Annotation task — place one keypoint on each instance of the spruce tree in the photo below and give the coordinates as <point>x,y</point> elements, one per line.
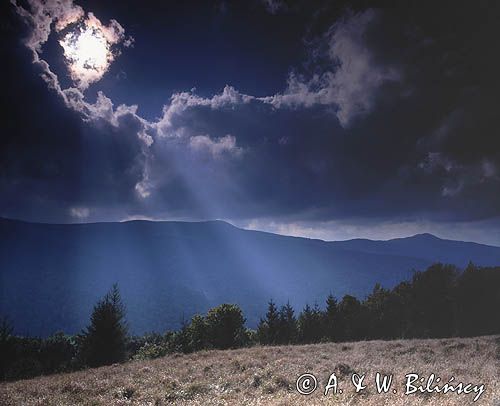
<point>288,325</point>
<point>104,340</point>
<point>268,329</point>
<point>331,319</point>
<point>305,324</point>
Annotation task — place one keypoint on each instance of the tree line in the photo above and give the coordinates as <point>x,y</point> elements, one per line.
<point>439,302</point>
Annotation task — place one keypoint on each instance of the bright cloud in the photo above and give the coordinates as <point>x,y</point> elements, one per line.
<point>216,148</point>
<point>180,102</point>
<point>88,49</point>
<point>88,45</point>
<point>354,77</point>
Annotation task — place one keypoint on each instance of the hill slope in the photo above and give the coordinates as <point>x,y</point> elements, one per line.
<point>51,275</point>
<point>267,376</point>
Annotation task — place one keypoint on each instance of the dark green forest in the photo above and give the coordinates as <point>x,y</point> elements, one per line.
<point>442,301</point>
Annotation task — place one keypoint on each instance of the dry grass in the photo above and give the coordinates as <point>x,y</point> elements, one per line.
<point>266,375</point>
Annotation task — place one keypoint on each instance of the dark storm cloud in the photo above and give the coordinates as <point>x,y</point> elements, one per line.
<point>406,158</point>
<point>274,6</point>
<point>52,161</point>
<point>391,115</point>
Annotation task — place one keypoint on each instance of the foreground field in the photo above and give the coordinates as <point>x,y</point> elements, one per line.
<point>267,375</point>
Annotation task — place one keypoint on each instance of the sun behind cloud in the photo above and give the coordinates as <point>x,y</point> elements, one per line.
<point>88,49</point>
<point>87,53</point>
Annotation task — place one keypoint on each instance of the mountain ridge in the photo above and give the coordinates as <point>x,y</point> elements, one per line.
<point>52,275</point>
<point>426,235</point>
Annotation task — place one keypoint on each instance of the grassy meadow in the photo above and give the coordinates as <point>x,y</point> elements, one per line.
<point>267,376</point>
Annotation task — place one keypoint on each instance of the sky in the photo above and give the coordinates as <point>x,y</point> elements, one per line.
<point>331,120</point>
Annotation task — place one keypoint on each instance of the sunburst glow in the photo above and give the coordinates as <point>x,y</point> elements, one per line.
<point>88,54</point>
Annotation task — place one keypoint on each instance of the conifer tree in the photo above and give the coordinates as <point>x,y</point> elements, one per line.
<point>309,324</point>
<point>104,340</point>
<point>330,319</point>
<point>288,325</point>
<point>268,330</point>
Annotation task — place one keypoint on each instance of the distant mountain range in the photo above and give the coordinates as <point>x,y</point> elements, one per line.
<point>52,275</point>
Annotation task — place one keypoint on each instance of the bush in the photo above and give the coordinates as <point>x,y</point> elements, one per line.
<point>225,324</point>
<point>151,351</point>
